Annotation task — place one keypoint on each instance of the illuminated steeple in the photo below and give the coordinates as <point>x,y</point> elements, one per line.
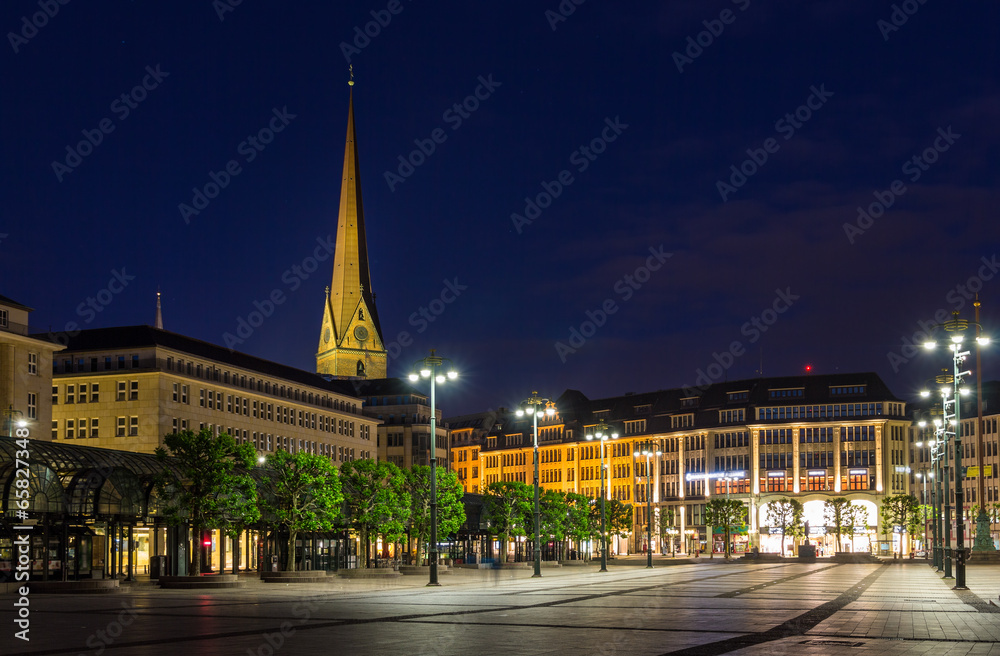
<point>350,343</point>
<point>159,312</point>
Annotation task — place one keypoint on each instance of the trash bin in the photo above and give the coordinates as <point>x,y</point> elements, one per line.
<point>157,567</point>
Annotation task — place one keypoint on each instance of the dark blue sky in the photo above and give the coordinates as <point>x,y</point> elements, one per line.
<point>664,123</point>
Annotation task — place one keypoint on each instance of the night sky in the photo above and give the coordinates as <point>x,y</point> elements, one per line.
<point>637,131</point>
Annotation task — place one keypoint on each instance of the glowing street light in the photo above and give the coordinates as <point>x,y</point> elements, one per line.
<point>428,368</point>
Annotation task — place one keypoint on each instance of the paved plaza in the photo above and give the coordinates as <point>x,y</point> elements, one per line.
<point>707,607</point>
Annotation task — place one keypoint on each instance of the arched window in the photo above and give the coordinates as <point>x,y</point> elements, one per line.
<point>361,314</point>
<point>361,368</point>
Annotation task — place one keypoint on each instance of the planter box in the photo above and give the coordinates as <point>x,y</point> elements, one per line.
<point>306,576</point>
<point>201,582</point>
<point>372,573</point>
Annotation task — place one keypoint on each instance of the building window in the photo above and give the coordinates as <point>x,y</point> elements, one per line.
<point>33,364</point>
<point>682,421</point>
<point>121,390</point>
<point>201,397</point>
<point>176,392</point>
<point>121,361</point>
<point>70,393</point>
<point>134,391</point>
<point>361,368</point>
<point>55,429</point>
<point>55,395</point>
<point>83,394</point>
<point>133,426</point>
<point>94,430</point>
<point>184,393</point>
<point>120,432</point>
<point>70,429</point>
<point>4,319</point>
<point>95,392</point>
<point>797,392</point>
<point>636,426</point>
<point>32,405</point>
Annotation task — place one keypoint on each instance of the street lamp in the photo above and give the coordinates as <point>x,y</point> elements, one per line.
<point>10,413</point>
<point>534,406</point>
<point>923,475</point>
<point>428,368</point>
<point>939,456</point>
<point>601,432</point>
<point>648,448</point>
<point>952,409</point>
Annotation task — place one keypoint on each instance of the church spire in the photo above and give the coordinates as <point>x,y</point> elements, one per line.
<point>159,312</point>
<point>351,337</point>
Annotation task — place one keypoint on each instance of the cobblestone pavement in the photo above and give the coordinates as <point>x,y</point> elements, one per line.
<point>702,608</point>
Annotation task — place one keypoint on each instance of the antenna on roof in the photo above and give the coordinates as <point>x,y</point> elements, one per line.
<point>159,312</point>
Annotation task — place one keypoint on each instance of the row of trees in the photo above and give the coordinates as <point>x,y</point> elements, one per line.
<point>207,483</point>
<point>509,510</point>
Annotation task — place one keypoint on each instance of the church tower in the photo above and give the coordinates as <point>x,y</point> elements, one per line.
<point>350,341</point>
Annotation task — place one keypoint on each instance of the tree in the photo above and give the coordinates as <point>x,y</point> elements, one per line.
<point>580,524</point>
<point>663,521</point>
<point>838,514</point>
<point>207,483</point>
<point>302,492</point>
<point>899,510</point>
<point>377,501</point>
<point>507,504</point>
<point>552,511</point>
<point>925,515</point>
<point>450,500</point>
<point>620,517</point>
<point>785,514</point>
<point>726,513</point>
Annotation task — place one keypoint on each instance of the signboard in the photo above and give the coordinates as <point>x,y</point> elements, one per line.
<point>775,474</point>
<point>817,472</point>
<point>734,475</point>
<point>733,530</point>
<point>973,472</point>
<point>817,530</point>
<point>857,472</point>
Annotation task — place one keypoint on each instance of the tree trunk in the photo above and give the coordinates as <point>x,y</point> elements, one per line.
<point>290,567</point>
<point>196,552</point>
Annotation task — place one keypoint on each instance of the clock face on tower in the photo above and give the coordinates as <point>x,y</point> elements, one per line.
<point>326,335</point>
<point>360,333</point>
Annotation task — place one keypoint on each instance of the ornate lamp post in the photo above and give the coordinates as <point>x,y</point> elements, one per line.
<point>602,433</point>
<point>934,473</point>
<point>428,368</point>
<point>648,448</point>
<point>952,427</point>
<point>923,475</point>
<point>534,406</point>
<point>10,413</point>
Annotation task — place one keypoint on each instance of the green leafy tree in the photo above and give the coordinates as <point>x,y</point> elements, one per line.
<point>899,510</point>
<point>376,500</point>
<point>552,510</point>
<point>507,504</point>
<point>620,517</point>
<point>302,492</point>
<point>785,514</point>
<point>663,521</point>
<point>838,513</point>
<point>725,513</point>
<point>580,524</point>
<point>207,483</point>
<point>925,515</point>
<point>450,499</point>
